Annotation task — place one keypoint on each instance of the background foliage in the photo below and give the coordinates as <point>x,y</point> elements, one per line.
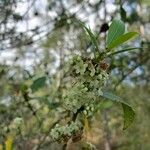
<point>37,38</point>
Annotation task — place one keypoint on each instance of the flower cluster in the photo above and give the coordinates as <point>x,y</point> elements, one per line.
<point>17,122</point>
<point>76,97</point>
<point>89,110</point>
<point>14,126</point>
<point>82,87</point>
<point>63,133</point>
<point>88,79</point>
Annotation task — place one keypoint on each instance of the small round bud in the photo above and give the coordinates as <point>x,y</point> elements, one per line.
<point>85,112</point>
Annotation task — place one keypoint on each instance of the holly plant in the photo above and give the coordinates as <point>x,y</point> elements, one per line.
<point>85,84</point>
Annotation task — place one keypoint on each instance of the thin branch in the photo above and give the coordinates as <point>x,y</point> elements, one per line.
<point>130,71</point>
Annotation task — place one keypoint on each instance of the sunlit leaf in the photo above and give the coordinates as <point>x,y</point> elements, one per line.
<point>38,83</point>
<point>122,39</point>
<point>116,29</point>
<point>129,113</point>
<point>9,143</point>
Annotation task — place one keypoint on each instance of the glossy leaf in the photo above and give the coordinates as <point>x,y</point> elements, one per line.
<point>38,83</point>
<point>129,113</point>
<point>117,28</point>
<point>122,39</point>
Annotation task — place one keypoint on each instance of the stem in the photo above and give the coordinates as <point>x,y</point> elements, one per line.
<point>124,50</point>
<point>64,146</point>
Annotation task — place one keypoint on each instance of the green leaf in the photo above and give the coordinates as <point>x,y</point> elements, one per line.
<point>91,35</point>
<point>121,39</point>
<point>117,28</point>
<point>129,113</point>
<point>38,83</point>
<point>104,105</point>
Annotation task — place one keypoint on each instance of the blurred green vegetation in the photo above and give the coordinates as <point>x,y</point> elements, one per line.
<point>33,65</point>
